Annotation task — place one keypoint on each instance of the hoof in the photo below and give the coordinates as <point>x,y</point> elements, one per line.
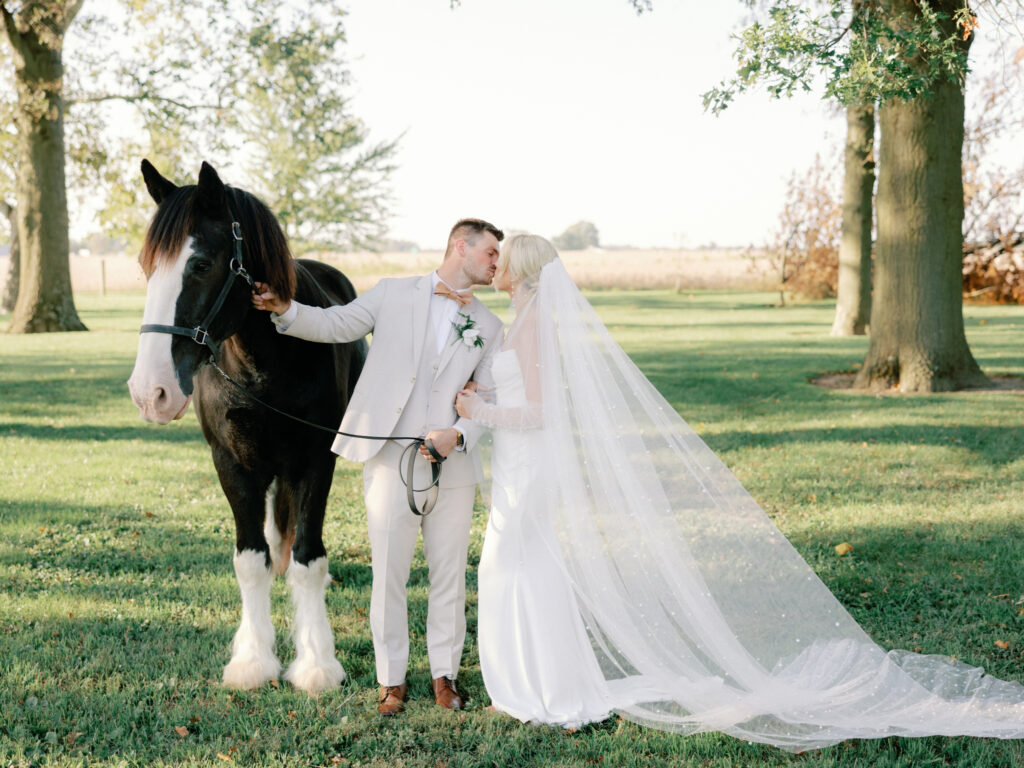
<point>250,673</point>
<point>312,677</point>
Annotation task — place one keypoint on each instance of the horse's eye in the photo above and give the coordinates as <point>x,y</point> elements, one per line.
<point>201,266</point>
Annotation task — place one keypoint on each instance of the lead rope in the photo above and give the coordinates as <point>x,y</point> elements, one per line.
<point>408,457</point>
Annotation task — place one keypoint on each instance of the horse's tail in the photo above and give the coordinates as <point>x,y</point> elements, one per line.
<point>276,530</point>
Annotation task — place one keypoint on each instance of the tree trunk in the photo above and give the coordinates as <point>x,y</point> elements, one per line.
<point>853,302</point>
<point>917,327</point>
<point>10,291</point>
<point>44,292</point>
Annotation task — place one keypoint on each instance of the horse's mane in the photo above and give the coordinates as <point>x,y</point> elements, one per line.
<point>265,248</point>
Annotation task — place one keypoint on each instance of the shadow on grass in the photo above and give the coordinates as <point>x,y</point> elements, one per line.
<point>188,431</point>
<point>53,395</point>
<point>701,301</point>
<point>88,551</point>
<point>995,444</point>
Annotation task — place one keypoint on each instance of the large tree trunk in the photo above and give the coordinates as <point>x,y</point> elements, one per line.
<point>10,290</point>
<point>853,302</point>
<point>917,327</point>
<point>44,291</point>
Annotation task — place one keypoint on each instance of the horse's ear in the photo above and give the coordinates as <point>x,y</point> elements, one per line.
<point>159,187</point>
<point>213,197</point>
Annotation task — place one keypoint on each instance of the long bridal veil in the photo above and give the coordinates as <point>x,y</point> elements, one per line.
<point>701,614</point>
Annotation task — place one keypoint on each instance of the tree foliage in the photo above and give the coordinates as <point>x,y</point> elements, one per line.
<point>581,235</point>
<point>994,272</point>
<point>310,158</point>
<point>255,85</point>
<point>261,90</point>
<point>993,190</point>
<point>856,52</point>
<point>804,251</point>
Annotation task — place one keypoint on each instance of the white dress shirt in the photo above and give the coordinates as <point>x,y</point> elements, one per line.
<point>442,313</point>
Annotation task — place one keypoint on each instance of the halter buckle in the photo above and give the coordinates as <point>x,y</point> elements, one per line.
<point>199,335</point>
<point>237,268</point>
<point>236,231</point>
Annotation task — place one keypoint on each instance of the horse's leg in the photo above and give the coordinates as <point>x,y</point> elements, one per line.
<point>315,667</point>
<point>253,661</point>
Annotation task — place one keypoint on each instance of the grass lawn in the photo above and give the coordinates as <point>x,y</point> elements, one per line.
<point>118,600</point>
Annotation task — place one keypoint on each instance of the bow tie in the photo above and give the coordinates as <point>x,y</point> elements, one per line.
<point>462,297</point>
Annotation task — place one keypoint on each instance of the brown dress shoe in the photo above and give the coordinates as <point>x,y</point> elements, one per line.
<point>445,694</point>
<point>392,700</point>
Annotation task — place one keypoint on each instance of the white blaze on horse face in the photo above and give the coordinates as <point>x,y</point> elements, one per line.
<point>153,385</point>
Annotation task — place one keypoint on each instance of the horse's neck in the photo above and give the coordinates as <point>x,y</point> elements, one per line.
<point>254,347</point>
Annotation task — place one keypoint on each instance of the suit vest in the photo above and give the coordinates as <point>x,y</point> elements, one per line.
<point>416,420</point>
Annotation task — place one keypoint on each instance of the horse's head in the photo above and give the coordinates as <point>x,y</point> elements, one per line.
<point>190,258</point>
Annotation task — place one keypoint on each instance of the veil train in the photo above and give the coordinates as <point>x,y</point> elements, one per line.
<point>700,612</point>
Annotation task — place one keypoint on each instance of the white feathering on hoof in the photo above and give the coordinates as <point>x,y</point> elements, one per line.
<point>253,662</point>
<point>315,667</point>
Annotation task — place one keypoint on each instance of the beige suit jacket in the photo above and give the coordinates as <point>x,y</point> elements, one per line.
<point>395,312</point>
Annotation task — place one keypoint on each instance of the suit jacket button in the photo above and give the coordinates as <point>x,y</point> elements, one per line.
<point>412,380</point>
<point>398,410</point>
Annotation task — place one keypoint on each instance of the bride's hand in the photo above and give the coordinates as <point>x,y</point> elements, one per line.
<point>464,402</point>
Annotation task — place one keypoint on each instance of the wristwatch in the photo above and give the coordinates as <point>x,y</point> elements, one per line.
<point>460,441</point>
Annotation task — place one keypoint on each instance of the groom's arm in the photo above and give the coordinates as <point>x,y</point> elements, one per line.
<point>334,325</point>
<point>471,430</point>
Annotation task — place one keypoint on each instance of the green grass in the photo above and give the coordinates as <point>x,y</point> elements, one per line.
<point>118,600</point>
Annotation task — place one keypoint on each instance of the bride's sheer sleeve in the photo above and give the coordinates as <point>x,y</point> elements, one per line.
<point>522,340</point>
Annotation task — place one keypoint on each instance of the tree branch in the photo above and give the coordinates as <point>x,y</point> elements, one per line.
<point>132,99</point>
<point>70,13</point>
<point>11,25</point>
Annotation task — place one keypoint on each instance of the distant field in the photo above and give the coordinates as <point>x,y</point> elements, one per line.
<point>597,269</point>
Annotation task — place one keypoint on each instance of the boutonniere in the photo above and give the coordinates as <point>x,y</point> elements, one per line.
<point>466,331</point>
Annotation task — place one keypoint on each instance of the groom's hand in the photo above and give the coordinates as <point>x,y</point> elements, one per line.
<point>264,298</point>
<point>444,442</point>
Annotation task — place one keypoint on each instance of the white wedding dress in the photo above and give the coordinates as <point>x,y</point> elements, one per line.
<point>625,569</point>
<point>529,630</point>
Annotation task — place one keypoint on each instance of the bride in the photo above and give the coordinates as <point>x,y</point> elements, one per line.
<point>625,569</point>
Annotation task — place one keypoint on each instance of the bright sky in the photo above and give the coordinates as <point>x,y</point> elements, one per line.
<point>535,114</point>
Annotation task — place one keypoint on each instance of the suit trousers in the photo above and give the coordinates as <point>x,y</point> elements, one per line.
<point>393,530</point>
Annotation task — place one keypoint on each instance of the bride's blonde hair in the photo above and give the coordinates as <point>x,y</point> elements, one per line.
<point>525,255</point>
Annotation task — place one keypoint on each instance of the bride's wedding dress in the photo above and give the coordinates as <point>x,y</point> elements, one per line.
<point>625,569</point>
<point>529,630</point>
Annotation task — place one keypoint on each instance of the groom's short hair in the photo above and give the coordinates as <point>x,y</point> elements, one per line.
<point>470,230</point>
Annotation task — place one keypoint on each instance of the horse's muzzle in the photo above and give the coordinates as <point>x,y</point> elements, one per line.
<point>158,402</point>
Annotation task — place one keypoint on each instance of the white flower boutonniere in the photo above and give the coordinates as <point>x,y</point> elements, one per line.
<point>467,332</point>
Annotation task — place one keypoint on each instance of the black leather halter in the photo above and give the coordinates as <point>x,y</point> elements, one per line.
<point>201,335</point>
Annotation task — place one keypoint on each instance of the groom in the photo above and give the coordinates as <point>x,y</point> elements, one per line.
<point>417,363</point>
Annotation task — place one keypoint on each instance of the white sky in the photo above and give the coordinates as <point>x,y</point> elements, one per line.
<point>535,114</point>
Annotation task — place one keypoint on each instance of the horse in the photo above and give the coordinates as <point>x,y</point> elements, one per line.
<point>205,245</point>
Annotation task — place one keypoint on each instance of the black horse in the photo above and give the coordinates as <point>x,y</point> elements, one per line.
<point>205,244</point>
